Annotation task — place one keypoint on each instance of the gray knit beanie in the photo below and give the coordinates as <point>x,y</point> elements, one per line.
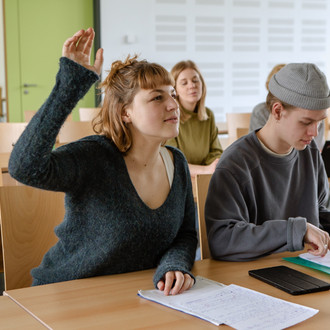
<point>301,85</point>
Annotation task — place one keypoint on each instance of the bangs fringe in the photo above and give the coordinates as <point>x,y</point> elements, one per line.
<point>154,76</point>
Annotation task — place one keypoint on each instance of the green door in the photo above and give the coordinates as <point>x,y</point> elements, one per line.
<point>35,32</point>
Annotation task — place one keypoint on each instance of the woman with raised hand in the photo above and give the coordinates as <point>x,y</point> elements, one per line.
<point>128,199</point>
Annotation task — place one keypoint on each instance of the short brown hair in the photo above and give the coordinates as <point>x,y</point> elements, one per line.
<point>124,80</point>
<point>271,100</point>
<point>176,70</point>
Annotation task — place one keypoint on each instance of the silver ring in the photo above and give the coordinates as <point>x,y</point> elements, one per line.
<point>326,246</point>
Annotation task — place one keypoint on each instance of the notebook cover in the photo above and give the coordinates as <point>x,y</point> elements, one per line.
<point>307,263</point>
<point>289,280</point>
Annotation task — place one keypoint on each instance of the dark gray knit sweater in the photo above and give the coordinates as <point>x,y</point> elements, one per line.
<point>259,204</point>
<point>107,228</point>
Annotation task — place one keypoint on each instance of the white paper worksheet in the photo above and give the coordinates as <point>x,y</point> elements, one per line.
<point>233,305</point>
<point>324,261</point>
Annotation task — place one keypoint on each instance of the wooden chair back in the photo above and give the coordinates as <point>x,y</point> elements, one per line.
<point>9,134</point>
<point>88,114</point>
<point>1,111</point>
<point>237,120</point>
<point>28,114</point>
<point>202,185</point>
<point>7,179</point>
<point>28,218</point>
<point>74,130</point>
<point>222,127</point>
<point>240,131</point>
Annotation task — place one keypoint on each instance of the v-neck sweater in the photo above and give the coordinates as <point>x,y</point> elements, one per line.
<point>107,228</point>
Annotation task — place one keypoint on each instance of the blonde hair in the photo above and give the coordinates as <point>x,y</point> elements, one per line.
<point>201,111</point>
<point>124,80</point>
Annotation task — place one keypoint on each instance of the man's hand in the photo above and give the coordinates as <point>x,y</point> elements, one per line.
<point>318,240</point>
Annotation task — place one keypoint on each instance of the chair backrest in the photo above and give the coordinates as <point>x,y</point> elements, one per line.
<point>201,187</point>
<point>240,131</point>
<point>6,179</point>
<point>28,114</point>
<point>237,120</point>
<point>74,130</point>
<point>222,127</point>
<point>88,114</point>
<point>9,134</point>
<point>1,112</point>
<point>28,218</point>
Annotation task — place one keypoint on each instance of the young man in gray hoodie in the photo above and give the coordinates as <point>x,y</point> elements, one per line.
<point>269,191</point>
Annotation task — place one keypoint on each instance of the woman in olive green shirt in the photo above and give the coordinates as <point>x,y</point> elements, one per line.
<point>198,134</point>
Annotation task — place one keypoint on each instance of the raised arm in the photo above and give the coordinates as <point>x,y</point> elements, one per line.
<point>33,160</point>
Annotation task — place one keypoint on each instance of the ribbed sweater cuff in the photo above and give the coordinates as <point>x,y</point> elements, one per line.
<point>295,233</point>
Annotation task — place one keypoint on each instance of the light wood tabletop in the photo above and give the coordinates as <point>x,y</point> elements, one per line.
<point>13,316</point>
<point>112,301</point>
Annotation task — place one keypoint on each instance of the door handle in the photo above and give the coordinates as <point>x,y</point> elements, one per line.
<point>29,85</point>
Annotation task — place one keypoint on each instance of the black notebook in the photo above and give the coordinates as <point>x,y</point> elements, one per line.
<point>289,280</point>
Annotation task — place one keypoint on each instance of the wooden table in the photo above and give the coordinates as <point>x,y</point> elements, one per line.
<point>12,316</point>
<point>112,301</point>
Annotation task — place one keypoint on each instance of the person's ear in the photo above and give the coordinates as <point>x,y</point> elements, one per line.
<point>126,116</point>
<point>277,110</point>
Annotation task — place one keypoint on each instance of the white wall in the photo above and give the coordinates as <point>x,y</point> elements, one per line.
<point>234,42</point>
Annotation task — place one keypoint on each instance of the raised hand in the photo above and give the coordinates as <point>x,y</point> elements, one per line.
<point>78,48</point>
